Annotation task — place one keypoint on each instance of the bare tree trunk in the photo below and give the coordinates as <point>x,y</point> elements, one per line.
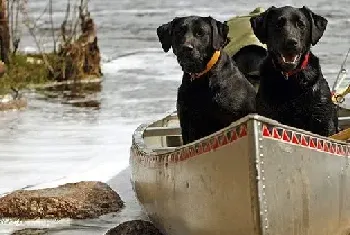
<point>52,27</point>
<point>4,32</point>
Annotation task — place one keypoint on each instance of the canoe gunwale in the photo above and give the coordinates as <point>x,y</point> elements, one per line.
<point>269,129</point>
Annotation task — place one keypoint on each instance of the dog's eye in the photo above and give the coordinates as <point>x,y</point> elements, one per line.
<point>199,33</point>
<point>281,22</point>
<point>300,24</point>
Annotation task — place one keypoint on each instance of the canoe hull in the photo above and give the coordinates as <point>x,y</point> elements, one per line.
<point>254,177</point>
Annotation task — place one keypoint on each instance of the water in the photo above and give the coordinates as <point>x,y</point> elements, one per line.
<point>57,140</point>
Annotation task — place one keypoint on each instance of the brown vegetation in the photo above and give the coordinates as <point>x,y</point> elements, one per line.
<point>78,55</point>
<point>79,59</point>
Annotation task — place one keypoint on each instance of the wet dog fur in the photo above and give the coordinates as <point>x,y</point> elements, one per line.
<point>303,99</point>
<point>214,100</point>
<point>249,60</point>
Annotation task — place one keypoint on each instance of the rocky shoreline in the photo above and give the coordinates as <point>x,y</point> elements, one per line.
<point>81,200</point>
<point>31,231</point>
<point>74,200</point>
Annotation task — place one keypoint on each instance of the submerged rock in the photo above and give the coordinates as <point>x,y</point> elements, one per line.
<point>134,227</point>
<point>81,200</point>
<point>30,231</point>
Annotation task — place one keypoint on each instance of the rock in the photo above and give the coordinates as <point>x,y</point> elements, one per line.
<point>134,227</point>
<point>87,199</point>
<point>31,231</point>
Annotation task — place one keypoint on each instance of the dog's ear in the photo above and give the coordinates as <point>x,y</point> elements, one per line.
<point>318,25</point>
<point>226,30</point>
<point>219,33</point>
<point>165,32</point>
<point>259,25</point>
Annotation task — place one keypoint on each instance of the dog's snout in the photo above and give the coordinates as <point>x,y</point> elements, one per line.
<point>187,47</point>
<point>291,42</point>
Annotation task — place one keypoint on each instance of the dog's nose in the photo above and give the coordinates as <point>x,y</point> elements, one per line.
<point>187,47</point>
<point>291,42</point>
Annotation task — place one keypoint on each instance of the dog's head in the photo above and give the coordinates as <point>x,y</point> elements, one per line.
<point>194,39</point>
<point>288,33</point>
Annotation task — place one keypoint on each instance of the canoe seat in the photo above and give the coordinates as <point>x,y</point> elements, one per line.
<point>344,121</point>
<point>162,131</point>
<point>174,140</point>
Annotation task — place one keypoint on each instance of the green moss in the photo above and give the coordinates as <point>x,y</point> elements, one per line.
<point>20,72</point>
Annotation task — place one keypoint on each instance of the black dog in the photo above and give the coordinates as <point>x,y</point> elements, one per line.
<point>213,93</point>
<point>292,88</point>
<point>249,60</point>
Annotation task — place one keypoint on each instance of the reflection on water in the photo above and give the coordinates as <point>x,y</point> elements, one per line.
<point>86,95</point>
